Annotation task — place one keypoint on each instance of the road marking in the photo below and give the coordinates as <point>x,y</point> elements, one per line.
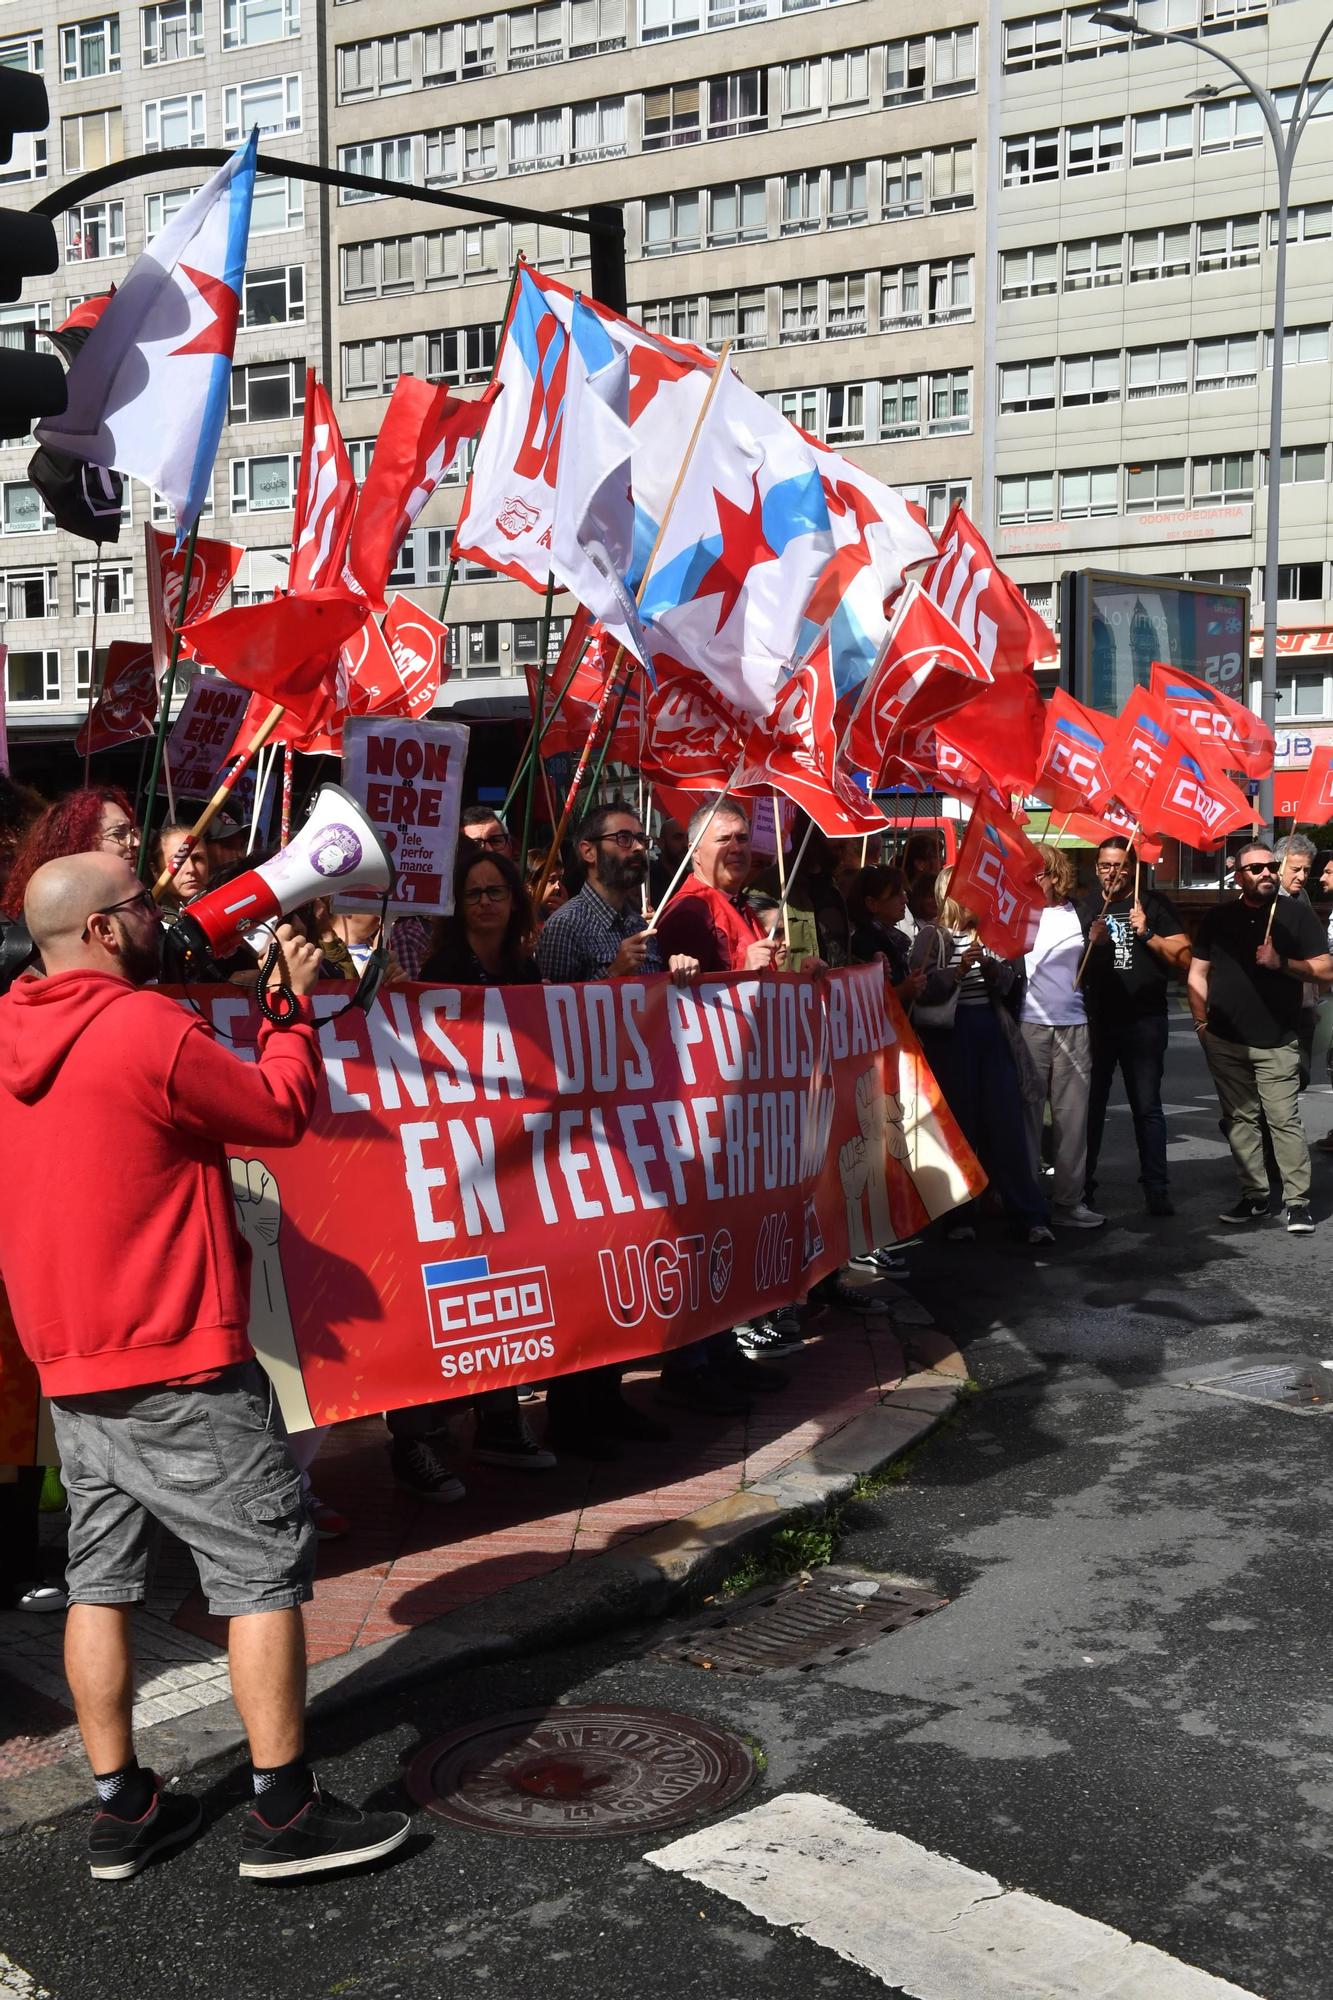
<point>16,1984</point>
<point>918,1920</point>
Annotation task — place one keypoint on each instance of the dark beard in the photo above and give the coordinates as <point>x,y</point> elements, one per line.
<point>142,962</point>
<point>621,873</point>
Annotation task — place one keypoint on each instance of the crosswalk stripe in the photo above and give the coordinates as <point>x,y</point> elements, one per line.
<point>16,1984</point>
<point>918,1920</point>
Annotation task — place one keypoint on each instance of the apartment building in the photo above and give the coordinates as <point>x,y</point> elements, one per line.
<point>1129,284</point>
<point>791,179</point>
<point>177,73</point>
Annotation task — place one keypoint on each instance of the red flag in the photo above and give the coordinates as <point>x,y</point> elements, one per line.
<point>692,736</point>
<point>795,749</point>
<point>583,681</point>
<point>1114,819</point>
<point>1315,805</point>
<point>1002,729</point>
<point>286,650</point>
<point>127,705</point>
<point>214,566</point>
<point>416,641</point>
<point>1191,801</point>
<point>962,777</point>
<point>997,876</point>
<point>422,430</point>
<point>1072,773</point>
<point>926,670</point>
<point>325,495</point>
<point>1242,738</point>
<point>991,612</point>
<point>1141,742</point>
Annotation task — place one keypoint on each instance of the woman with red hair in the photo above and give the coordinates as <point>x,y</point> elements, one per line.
<point>99,818</point>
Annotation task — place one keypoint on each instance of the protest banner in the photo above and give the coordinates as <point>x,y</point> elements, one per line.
<point>202,733</point>
<point>408,776</point>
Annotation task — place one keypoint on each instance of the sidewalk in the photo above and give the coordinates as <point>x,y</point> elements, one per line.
<point>664,1511</point>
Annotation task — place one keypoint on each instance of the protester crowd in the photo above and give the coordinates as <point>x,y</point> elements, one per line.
<point>1025,1050</point>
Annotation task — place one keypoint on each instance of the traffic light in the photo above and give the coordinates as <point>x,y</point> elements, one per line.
<point>31,385</point>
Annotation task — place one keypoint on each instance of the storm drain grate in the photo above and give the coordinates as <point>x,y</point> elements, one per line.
<point>806,1622</point>
<point>1303,1386</point>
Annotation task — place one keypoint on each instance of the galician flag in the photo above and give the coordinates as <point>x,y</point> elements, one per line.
<point>148,389</point>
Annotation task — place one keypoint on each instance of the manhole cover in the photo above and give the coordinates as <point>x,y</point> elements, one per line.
<point>576,1773</point>
<point>805,1622</point>
<point>1304,1386</point>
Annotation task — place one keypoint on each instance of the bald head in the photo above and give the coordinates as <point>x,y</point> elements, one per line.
<point>91,913</point>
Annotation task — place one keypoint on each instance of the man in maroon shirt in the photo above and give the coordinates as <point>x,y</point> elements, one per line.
<point>709,916</point>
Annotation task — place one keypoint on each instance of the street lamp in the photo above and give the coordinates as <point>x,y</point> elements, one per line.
<point>1285,139</point>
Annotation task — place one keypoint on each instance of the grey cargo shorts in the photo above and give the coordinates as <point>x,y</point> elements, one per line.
<point>210,1462</point>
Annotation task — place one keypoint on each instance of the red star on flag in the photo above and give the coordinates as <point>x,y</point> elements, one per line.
<point>743,548</point>
<point>218,333</point>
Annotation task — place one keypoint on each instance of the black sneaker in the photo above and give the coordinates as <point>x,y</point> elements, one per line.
<point>1159,1202</point>
<point>845,1298</point>
<point>326,1833</point>
<point>1299,1222</point>
<point>512,1443</point>
<point>760,1338</point>
<point>119,1848</point>
<point>420,1470</point>
<point>1248,1209</point>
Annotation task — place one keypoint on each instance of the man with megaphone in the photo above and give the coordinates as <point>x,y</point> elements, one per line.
<point>130,1292</point>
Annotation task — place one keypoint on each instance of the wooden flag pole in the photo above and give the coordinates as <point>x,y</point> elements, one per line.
<point>782,870</point>
<point>576,781</point>
<point>1272,909</point>
<point>285,824</point>
<point>797,859</point>
<point>1107,901</point>
<point>218,800</point>
<point>688,855</point>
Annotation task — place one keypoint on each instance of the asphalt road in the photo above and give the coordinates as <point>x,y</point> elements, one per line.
<point>1124,1710</point>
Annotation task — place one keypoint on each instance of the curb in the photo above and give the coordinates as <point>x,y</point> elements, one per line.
<point>641,1579</point>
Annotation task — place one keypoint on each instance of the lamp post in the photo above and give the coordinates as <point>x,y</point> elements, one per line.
<point>1285,139</point>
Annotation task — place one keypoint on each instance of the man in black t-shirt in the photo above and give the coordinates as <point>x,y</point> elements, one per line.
<point>1250,961</point>
<point>1137,944</point>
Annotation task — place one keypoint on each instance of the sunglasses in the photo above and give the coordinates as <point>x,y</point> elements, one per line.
<point>1258,867</point>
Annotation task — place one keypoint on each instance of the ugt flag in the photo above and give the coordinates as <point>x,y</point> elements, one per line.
<point>147,392</point>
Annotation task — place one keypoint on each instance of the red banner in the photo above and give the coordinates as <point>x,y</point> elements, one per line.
<point>127,705</point>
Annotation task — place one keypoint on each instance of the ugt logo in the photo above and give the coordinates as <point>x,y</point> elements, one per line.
<point>671,1276</point>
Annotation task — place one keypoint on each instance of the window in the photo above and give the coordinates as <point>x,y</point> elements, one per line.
<point>801,208</point>
<point>1163,135</point>
<point>1300,465</point>
<point>1027,385</point>
<point>1230,244</point>
<point>172,31</point>
<point>94,229</point>
<point>273,297</point>
<point>677,319</point>
<point>846,195</point>
<point>27,159</point>
<point>1028,274</point>
<point>267,391</point>
<point>1098,148</point>
<point>1158,371</point>
<point>462,353</point>
<point>599,129</point>
<point>1150,488</point>
<point>1085,36</point>
<point>115,588</point>
<point>954,62</point>
<point>951,178</point>
<point>1300,346</point>
<point>22,52</point>
<point>846,309</point>
<point>1084,494</point>
<point>33,676</point>
<point>900,407</point>
<point>905,71</point>
<point>668,17</point>
<point>1231,124</point>
<point>536,35</point>
<point>1300,583</point>
<point>1094,260</point>
<point>90,48</point>
<point>848,79</point>
<point>737,104</point>
<point>1221,480</point>
<point>1311,224</point>
<point>741,317</point>
<point>479,155</point>
<point>457,51</point>
<point>536,141</point>
<point>379,160</point>
<point>160,510</point>
<point>596,27</point>
<point>951,402</point>
<point>248,22</point>
<point>900,298</point>
<point>1231,363</point>
<point>273,103</point>
<point>259,573</point>
<point>1159,253</point>
<point>937,498</point>
<point>670,222</point>
<point>1027,497</point>
<point>1033,156</point>
<point>174,121</point>
<point>1302,696</point>
<point>539,244</point>
<point>23,511</point>
<point>904,186</point>
<point>950,292</point>
<point>1089,378</point>
<point>737,213</point>
<point>671,116</point>
<point>93,139</point>
<point>1219,15</point>
<point>260,485</point>
<point>800,311</point>
<point>801,407</point>
<point>483,647</point>
<point>159,208</point>
<point>1035,42</point>
<point>378,68</point>
<point>845,413</point>
<point>15,320</point>
<point>29,593</point>
<point>278,205</point>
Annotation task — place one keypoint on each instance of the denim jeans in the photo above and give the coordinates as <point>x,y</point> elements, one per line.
<point>1136,1046</point>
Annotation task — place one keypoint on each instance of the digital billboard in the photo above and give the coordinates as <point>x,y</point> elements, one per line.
<point>1113,627</point>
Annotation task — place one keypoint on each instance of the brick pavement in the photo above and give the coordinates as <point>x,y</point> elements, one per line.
<point>406,1562</point>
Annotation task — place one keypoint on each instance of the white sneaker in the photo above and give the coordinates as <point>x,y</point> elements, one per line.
<point>1039,1233</point>
<point>1080,1216</point>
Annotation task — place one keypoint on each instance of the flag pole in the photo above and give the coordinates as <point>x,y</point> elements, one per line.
<point>218,800</point>
<point>576,781</point>
<point>519,262</point>
<point>544,642</point>
<point>285,825</point>
<point>1107,900</point>
<point>532,748</point>
<point>795,870</point>
<point>782,869</point>
<point>688,855</point>
<point>94,678</point>
<point>164,718</point>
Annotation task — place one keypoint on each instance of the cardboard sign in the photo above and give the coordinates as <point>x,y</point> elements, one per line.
<point>408,776</point>
<point>202,732</point>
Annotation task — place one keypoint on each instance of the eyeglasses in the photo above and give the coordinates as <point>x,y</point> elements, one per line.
<point>490,892</point>
<point>145,900</point>
<point>499,840</point>
<point>121,836</point>
<point>625,840</point>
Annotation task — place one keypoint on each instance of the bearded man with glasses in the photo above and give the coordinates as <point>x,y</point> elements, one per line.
<point>1250,962</point>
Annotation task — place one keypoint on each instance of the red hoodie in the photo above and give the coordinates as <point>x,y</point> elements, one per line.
<point>118,1245</point>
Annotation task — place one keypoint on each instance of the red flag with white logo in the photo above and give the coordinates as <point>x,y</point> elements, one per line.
<point>422,430</point>
<point>989,610</point>
<point>287,650</point>
<point>1315,805</point>
<point>1142,741</point>
<point>926,670</point>
<point>1002,728</point>
<point>1190,800</point>
<point>416,640</point>
<point>692,736</point>
<point>1243,739</point>
<point>1072,775</point>
<point>997,876</point>
<point>325,495</point>
<point>127,705</point>
<point>794,749</point>
<point>214,566</point>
